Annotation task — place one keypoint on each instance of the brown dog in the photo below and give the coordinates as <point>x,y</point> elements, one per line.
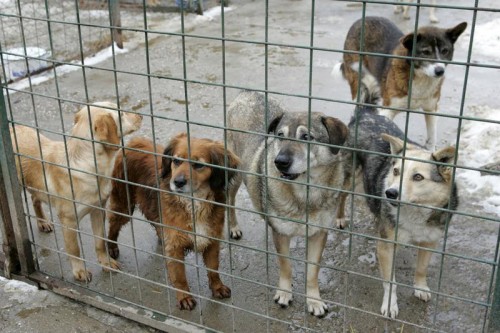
<point>74,192</point>
<point>202,177</point>
<point>404,83</point>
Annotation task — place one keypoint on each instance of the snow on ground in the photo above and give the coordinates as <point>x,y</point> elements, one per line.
<point>480,145</point>
<point>167,25</point>
<point>486,39</point>
<point>17,286</point>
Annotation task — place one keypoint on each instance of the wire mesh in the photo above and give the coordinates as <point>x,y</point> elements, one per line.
<point>181,72</point>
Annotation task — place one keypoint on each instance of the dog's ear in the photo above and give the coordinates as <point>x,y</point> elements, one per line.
<point>78,117</point>
<point>337,132</point>
<point>274,124</point>
<point>396,143</point>
<point>166,159</point>
<point>444,155</point>
<point>217,156</point>
<point>455,32</point>
<point>106,131</point>
<point>407,40</point>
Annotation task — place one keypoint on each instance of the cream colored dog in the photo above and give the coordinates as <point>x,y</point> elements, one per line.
<point>75,177</point>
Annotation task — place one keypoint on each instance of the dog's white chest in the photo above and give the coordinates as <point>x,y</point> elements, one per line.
<point>423,95</point>
<point>319,213</point>
<point>199,241</point>
<point>199,226</point>
<point>413,227</point>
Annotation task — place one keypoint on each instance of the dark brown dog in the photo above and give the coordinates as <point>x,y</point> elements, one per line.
<point>201,176</point>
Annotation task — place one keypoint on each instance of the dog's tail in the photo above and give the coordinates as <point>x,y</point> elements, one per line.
<point>369,89</point>
<point>338,71</point>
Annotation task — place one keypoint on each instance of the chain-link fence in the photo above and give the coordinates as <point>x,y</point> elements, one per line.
<point>181,72</point>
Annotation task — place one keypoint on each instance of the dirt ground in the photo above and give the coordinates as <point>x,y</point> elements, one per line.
<point>349,270</point>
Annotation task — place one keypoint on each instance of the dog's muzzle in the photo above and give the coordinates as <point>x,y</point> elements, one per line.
<point>439,71</point>
<point>392,193</point>
<point>283,163</point>
<point>179,182</point>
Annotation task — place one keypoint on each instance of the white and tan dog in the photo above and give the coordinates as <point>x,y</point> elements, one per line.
<point>78,183</point>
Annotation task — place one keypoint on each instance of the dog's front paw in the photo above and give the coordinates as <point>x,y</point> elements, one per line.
<point>108,265</point>
<point>423,293</point>
<point>236,232</point>
<point>113,250</point>
<point>221,292</point>
<point>389,311</point>
<point>186,303</point>
<point>82,275</point>
<point>283,298</point>
<point>316,307</point>
<point>45,226</point>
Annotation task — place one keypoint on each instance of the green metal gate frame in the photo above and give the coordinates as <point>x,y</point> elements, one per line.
<point>18,260</point>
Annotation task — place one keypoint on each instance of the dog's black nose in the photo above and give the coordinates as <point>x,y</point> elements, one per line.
<point>392,193</point>
<point>439,71</point>
<point>180,181</point>
<point>283,161</point>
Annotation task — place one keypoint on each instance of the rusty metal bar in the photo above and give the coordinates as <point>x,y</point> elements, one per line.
<point>18,226</point>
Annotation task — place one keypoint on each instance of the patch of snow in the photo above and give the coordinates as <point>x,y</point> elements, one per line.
<point>480,145</point>
<point>486,39</point>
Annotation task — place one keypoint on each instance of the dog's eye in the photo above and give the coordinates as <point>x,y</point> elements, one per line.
<point>306,137</point>
<point>176,162</point>
<point>445,51</point>
<point>395,172</point>
<point>426,52</point>
<point>418,177</point>
<point>198,166</point>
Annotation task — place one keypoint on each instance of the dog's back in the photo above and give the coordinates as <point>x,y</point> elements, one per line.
<point>380,36</point>
<point>260,107</point>
<point>140,167</point>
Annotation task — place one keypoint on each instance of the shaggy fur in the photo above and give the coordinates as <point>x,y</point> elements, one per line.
<point>204,177</point>
<point>297,152</point>
<point>89,190</point>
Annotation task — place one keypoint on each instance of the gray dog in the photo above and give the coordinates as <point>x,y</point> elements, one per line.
<point>296,155</point>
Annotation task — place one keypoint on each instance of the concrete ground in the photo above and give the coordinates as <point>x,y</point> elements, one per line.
<point>25,308</point>
<point>349,265</point>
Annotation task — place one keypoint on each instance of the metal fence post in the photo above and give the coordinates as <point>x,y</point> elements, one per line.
<point>14,219</point>
<point>114,11</point>
<point>494,324</point>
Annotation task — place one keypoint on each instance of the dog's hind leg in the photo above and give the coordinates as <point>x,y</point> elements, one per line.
<point>420,281</point>
<point>283,296</point>
<point>315,246</point>
<point>350,74</point>
<point>211,260</point>
<point>398,9</point>
<point>235,231</point>
<point>340,220</point>
<point>118,216</point>
<point>41,219</point>
<point>385,254</point>
<point>432,13</point>
<point>98,220</point>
